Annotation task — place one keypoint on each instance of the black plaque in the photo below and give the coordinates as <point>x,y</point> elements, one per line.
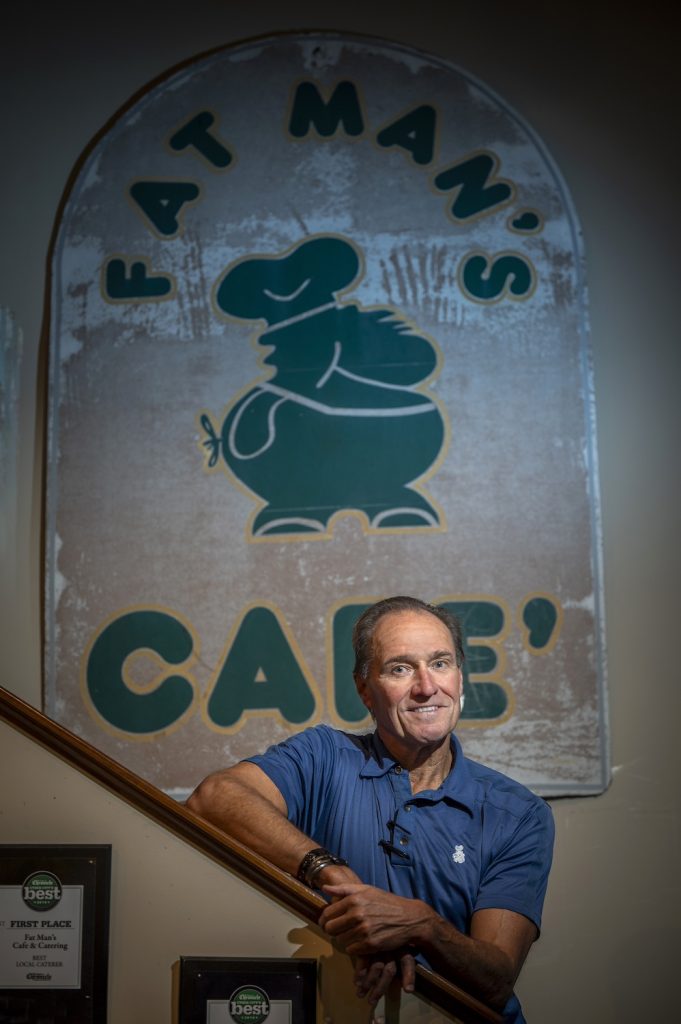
<point>220,990</point>
<point>54,934</point>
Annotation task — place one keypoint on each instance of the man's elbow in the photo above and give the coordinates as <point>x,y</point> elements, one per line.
<point>501,984</point>
<point>499,995</point>
<point>194,801</point>
<point>206,797</point>
<point>494,980</point>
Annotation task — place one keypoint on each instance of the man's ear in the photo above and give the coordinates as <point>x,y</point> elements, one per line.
<point>363,691</point>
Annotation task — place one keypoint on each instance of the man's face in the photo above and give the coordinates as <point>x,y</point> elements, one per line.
<point>413,684</point>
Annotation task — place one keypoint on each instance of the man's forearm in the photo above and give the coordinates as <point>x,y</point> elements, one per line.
<point>477,965</point>
<point>248,807</point>
<point>368,921</point>
<point>229,800</point>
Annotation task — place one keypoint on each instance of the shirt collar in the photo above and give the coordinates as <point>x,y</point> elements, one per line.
<point>457,788</point>
<point>379,761</point>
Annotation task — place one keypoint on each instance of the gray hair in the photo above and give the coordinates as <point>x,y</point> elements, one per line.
<point>365,627</point>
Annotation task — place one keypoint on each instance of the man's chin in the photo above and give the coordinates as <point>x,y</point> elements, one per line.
<point>427,730</point>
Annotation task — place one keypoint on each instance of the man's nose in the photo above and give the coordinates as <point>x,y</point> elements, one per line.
<point>424,684</point>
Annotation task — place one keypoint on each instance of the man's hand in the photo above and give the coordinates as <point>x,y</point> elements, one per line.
<point>366,920</point>
<point>374,975</point>
<point>379,927</point>
<point>375,928</point>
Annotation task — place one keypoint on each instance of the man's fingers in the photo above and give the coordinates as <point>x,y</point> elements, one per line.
<point>377,981</point>
<point>408,971</point>
<point>331,910</point>
<point>361,965</point>
<point>336,907</point>
<point>338,918</point>
<point>349,923</point>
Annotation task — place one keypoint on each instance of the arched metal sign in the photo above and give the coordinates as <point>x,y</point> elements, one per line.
<point>318,334</point>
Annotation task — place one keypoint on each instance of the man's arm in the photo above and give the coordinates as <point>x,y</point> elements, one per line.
<point>367,921</point>
<point>245,803</point>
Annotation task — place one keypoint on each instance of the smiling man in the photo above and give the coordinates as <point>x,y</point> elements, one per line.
<point>423,853</point>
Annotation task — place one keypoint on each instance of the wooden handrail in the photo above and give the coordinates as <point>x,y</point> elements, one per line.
<point>155,804</point>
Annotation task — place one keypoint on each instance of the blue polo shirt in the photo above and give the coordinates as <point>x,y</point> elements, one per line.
<point>480,841</point>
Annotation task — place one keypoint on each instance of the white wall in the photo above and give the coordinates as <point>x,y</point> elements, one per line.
<point>601,93</point>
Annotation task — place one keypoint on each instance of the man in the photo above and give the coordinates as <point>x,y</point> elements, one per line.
<point>421,852</point>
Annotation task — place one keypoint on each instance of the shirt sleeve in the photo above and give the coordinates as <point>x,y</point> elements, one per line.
<point>298,767</point>
<point>516,877</point>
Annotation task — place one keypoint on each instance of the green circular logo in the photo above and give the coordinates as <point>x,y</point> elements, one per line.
<point>41,891</point>
<point>249,1003</point>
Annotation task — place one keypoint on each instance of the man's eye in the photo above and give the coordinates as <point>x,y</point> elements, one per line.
<point>401,670</point>
<point>441,663</point>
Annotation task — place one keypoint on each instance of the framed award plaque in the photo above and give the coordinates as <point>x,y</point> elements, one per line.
<point>54,933</point>
<point>217,990</point>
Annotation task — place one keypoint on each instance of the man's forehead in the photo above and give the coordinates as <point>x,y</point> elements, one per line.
<point>404,629</point>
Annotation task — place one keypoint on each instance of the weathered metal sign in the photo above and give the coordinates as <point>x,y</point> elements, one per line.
<point>318,335</point>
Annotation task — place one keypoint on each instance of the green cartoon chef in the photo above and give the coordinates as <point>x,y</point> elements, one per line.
<point>341,424</point>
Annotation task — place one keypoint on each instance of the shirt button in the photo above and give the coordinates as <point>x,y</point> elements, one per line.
<point>407,807</point>
<point>404,842</point>
<point>398,769</point>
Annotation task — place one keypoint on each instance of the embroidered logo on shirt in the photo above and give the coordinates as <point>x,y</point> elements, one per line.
<point>458,856</point>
